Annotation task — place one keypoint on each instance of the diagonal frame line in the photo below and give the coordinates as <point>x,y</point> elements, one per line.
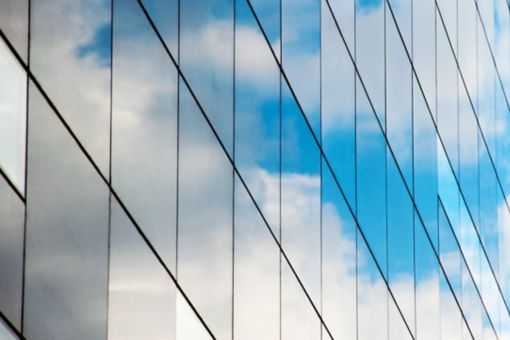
<point>10,183</point>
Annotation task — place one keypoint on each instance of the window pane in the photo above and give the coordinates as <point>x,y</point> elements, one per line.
<point>256,273</point>
<point>144,131</point>
<point>14,23</point>
<point>301,54</point>
<point>142,302</point>
<point>204,257</point>
<point>338,261</point>
<point>206,58</point>
<point>12,211</point>
<point>70,56</point>
<point>67,235</point>
<point>298,320</point>
<point>257,121</point>
<point>13,104</point>
<point>338,114</point>
<point>300,203</point>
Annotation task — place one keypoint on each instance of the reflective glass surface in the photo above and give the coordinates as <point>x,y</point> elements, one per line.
<point>13,105</point>
<point>254,169</point>
<point>66,261</point>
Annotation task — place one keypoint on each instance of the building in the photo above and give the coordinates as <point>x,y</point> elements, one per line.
<point>254,169</point>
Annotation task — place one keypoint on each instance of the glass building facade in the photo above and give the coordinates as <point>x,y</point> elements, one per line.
<point>254,169</point>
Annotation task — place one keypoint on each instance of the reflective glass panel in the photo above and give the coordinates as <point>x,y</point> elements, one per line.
<point>70,56</point>
<point>13,105</point>
<point>12,219</point>
<point>144,127</point>
<point>141,295</point>
<point>204,241</point>
<point>66,234</point>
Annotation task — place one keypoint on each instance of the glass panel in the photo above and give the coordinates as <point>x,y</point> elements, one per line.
<point>401,262</point>
<point>14,23</point>
<point>206,57</point>
<point>486,92</point>
<point>256,273</point>
<point>142,302</point>
<point>371,180</point>
<point>300,205</point>
<point>12,218</point>
<point>338,261</point>
<point>428,305</point>
<point>70,56</point>
<point>501,48</point>
<point>424,49</point>
<point>268,13</point>
<point>467,21</point>
<point>398,329</point>
<point>503,140</point>
<point>447,98</point>
<point>5,332</point>
<point>257,123</point>
<point>144,127</point>
<point>448,10</point>
<point>425,165</point>
<point>399,102</point>
<point>338,129</point>
<point>204,257</point>
<point>372,296</point>
<point>66,237</point>
<point>188,325</point>
<point>468,155</point>
<point>369,54</point>
<point>344,12</point>
<point>298,320</point>
<point>452,323</point>
<point>301,44</point>
<point>13,105</point>
<point>165,15</point>
<point>402,10</point>
<point>486,9</point>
